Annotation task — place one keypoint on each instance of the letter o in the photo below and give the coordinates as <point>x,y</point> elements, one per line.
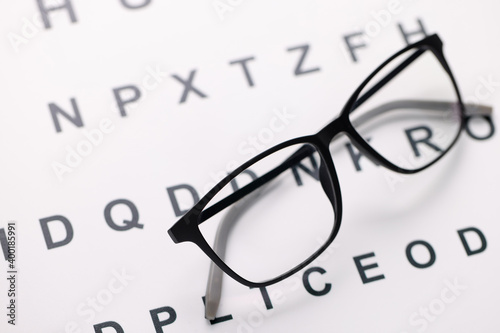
<point>80,148</point>
<point>412,261</point>
<point>440,306</point>
<point>255,319</point>
<point>105,297</point>
<point>266,135</point>
<point>369,31</point>
<point>135,6</point>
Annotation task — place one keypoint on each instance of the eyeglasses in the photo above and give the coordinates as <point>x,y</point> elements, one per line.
<point>289,209</point>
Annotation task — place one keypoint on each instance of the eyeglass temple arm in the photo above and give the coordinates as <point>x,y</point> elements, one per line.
<point>471,110</point>
<point>214,283</point>
<point>361,99</point>
<point>478,110</point>
<point>248,196</point>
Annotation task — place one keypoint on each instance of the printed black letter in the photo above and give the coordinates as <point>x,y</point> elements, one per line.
<point>98,327</point>
<point>46,232</point>
<point>432,254</point>
<point>307,284</point>
<point>243,63</point>
<point>173,199</point>
<point>121,102</point>
<point>467,248</point>
<point>407,35</point>
<point>188,86</point>
<point>45,11</point>
<point>156,320</point>
<point>362,269</point>
<point>298,68</point>
<point>76,119</point>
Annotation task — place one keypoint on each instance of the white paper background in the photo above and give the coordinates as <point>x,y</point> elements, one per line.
<point>162,143</point>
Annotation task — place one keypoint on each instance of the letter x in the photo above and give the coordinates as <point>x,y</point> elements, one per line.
<point>188,86</point>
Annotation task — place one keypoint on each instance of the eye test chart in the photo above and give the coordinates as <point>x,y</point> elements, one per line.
<point>117,116</point>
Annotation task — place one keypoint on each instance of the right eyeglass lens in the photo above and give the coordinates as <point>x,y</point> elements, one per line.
<point>278,226</point>
<point>413,118</point>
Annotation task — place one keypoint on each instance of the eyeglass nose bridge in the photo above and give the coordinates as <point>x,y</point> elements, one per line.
<point>338,127</point>
<point>335,128</point>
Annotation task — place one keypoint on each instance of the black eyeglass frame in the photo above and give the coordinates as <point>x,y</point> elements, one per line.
<point>187,228</point>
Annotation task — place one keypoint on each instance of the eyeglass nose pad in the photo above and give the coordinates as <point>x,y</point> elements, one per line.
<point>326,182</point>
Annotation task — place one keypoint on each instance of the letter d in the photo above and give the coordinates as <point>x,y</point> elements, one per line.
<point>467,248</point>
<point>98,327</point>
<point>173,198</point>
<point>44,223</point>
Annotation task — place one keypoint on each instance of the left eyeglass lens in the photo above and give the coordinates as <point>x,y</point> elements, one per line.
<point>278,226</point>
